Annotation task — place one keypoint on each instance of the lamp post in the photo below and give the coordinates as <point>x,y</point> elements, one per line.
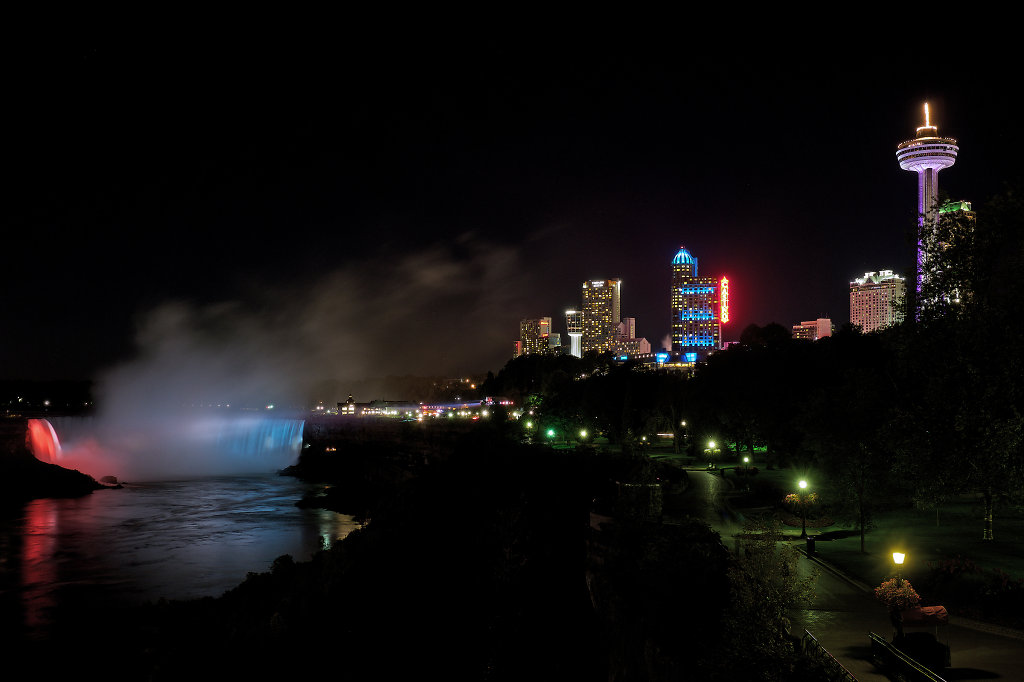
<point>897,558</point>
<point>712,452</point>
<point>803,509</point>
<point>895,614</point>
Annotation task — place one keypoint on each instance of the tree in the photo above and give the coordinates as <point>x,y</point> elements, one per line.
<point>848,421</point>
<point>963,356</point>
<point>765,586</point>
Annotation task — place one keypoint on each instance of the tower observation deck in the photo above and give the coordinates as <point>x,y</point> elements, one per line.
<point>926,155</point>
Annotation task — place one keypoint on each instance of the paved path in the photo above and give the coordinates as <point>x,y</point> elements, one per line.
<point>844,609</point>
<point>843,613</point>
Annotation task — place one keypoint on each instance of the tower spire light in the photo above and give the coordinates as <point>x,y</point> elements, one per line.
<point>927,123</point>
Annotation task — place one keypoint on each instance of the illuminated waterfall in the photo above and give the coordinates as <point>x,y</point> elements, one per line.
<point>42,440</point>
<point>176,446</point>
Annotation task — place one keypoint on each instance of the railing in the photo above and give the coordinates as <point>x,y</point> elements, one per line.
<point>812,647</point>
<point>885,655</point>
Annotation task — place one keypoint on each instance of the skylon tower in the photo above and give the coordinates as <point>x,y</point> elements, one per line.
<point>926,155</point>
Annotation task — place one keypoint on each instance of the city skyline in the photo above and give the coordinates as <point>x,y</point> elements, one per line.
<point>227,201</point>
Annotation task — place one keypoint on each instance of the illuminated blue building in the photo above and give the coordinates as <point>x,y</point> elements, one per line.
<point>697,308</point>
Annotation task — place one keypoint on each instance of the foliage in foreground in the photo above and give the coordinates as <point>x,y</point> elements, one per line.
<point>966,588</point>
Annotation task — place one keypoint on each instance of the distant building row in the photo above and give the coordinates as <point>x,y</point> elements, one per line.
<point>596,326</point>
<point>876,302</point>
<point>699,307</point>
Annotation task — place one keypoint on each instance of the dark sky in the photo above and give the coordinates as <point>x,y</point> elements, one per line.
<point>343,208</point>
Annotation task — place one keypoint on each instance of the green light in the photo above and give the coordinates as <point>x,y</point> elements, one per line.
<point>551,433</point>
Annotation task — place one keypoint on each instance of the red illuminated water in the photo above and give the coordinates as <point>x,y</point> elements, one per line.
<point>42,440</point>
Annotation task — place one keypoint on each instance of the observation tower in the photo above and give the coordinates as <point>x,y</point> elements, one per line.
<point>926,155</point>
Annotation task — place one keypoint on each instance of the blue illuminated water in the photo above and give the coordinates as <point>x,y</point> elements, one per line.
<point>186,444</point>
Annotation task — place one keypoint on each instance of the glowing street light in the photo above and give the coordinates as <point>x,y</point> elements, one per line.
<point>897,558</point>
<point>803,509</point>
<point>712,451</point>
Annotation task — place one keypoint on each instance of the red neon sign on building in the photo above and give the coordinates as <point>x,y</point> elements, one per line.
<point>724,317</point>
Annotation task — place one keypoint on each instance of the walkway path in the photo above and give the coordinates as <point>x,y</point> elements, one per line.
<point>845,610</point>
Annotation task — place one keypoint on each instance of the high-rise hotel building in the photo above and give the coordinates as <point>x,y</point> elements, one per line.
<point>534,334</point>
<point>812,330</point>
<point>874,300</point>
<point>600,314</point>
<point>699,306</point>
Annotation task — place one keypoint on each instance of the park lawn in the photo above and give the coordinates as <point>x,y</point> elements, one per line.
<point>915,532</point>
<point>926,544</point>
<point>987,580</point>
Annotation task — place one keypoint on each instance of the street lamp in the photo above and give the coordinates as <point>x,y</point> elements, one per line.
<point>897,558</point>
<point>712,452</point>
<point>802,495</point>
<point>894,611</point>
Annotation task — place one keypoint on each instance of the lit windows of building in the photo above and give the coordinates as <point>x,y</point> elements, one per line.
<point>875,300</point>
<point>574,327</point>
<point>813,330</point>
<point>632,347</point>
<point>534,336</point>
<point>697,308</point>
<point>627,344</point>
<point>600,314</point>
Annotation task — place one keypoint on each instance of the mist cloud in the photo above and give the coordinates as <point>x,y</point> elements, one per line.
<point>439,312</point>
<point>165,412</point>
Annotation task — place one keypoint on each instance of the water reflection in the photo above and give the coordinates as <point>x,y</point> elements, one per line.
<point>173,540</point>
<point>37,566</point>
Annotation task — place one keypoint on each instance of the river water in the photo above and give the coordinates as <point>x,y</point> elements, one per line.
<point>145,542</point>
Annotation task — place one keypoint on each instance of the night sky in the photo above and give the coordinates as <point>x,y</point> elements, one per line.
<point>254,214</point>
